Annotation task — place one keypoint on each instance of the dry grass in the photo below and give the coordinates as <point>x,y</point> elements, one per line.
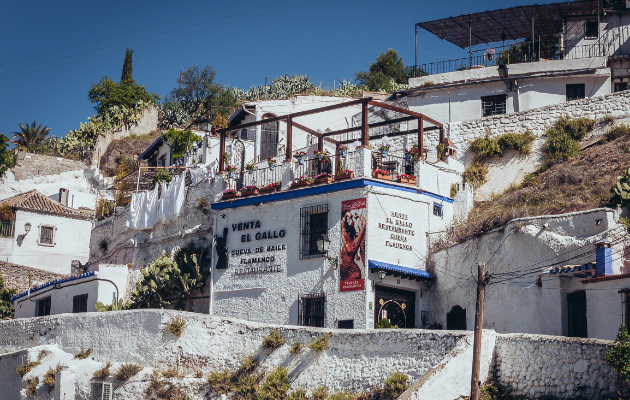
<point>176,326</point>
<point>83,354</point>
<point>127,370</point>
<point>103,372</point>
<point>24,369</point>
<point>273,340</point>
<point>319,343</point>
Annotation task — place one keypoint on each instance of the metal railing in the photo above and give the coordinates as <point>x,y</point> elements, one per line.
<point>395,163</point>
<point>7,229</point>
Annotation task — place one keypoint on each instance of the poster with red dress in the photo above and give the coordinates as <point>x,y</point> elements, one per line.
<point>353,261</point>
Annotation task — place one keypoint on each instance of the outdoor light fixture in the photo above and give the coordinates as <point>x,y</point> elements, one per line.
<point>27,228</point>
<point>428,283</point>
<point>382,274</point>
<point>206,125</point>
<point>323,243</point>
<point>503,71</point>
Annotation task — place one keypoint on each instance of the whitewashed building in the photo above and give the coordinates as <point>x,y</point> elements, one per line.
<point>45,233</point>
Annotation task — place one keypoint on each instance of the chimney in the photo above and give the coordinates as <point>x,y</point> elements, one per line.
<point>63,196</point>
<point>603,258</point>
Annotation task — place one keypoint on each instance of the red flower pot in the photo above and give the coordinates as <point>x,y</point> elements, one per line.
<point>382,176</point>
<point>326,179</point>
<point>340,177</point>
<point>250,192</point>
<point>229,195</point>
<point>407,181</point>
<point>299,184</point>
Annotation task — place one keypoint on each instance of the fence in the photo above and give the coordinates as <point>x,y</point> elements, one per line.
<point>395,163</point>
<point>6,229</point>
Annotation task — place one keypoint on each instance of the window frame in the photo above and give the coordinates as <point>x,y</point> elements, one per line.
<point>52,236</point>
<point>595,28</point>
<point>42,303</point>
<point>573,86</point>
<point>83,306</point>
<point>308,235</point>
<point>493,99</point>
<point>308,315</point>
<point>439,207</point>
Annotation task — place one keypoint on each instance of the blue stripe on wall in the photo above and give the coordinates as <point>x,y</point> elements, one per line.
<point>320,189</point>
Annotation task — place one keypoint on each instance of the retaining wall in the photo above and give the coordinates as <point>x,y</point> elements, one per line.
<point>16,276</point>
<point>30,165</point>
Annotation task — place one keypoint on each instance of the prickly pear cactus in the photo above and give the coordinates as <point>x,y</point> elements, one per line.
<point>621,191</point>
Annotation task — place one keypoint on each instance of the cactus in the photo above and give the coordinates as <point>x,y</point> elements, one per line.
<point>621,191</point>
<point>100,307</point>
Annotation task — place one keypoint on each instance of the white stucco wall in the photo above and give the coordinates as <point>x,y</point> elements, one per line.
<point>72,242</point>
<point>613,35</point>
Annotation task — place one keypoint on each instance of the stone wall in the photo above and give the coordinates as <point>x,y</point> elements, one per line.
<point>30,165</point>
<point>16,276</point>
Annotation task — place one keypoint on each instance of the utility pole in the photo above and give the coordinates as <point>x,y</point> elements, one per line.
<point>481,285</point>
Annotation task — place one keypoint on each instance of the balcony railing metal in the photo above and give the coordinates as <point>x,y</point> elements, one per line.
<point>7,229</point>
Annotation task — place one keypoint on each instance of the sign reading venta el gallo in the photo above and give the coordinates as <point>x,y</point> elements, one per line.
<point>353,261</point>
<point>261,258</point>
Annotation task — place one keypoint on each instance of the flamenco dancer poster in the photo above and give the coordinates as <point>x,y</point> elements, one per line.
<point>353,261</point>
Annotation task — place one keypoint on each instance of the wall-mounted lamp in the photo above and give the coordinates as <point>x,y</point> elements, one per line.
<point>428,283</point>
<point>503,71</point>
<point>27,228</point>
<point>323,243</point>
<point>206,124</point>
<point>382,274</point>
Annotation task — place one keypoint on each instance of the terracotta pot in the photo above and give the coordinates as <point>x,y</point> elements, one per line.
<point>250,192</point>
<point>340,177</point>
<point>407,181</point>
<point>299,184</point>
<point>382,176</point>
<point>229,195</point>
<point>326,179</point>
<point>268,189</point>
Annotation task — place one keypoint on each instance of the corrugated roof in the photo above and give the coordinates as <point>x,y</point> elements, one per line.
<point>39,203</point>
<point>418,273</point>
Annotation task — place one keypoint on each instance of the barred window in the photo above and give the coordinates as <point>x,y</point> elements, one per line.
<point>575,91</point>
<point>47,235</point>
<point>79,303</point>
<point>591,30</point>
<point>313,225</point>
<point>43,307</point>
<point>493,105</point>
<point>437,210</point>
<point>312,310</point>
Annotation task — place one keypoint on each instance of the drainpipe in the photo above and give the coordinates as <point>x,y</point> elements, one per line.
<point>603,258</point>
<point>212,263</point>
<point>449,108</point>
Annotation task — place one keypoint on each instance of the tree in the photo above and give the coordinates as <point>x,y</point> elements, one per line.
<point>30,137</point>
<point>7,158</point>
<point>7,311</point>
<point>618,355</point>
<point>127,67</point>
<point>388,66</point>
<point>106,94</point>
<point>180,141</point>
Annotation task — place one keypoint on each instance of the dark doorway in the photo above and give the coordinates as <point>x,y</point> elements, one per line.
<point>346,324</point>
<point>269,140</point>
<point>79,303</point>
<point>395,305</point>
<point>576,303</point>
<point>456,319</point>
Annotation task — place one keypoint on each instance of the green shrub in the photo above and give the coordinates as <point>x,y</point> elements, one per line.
<point>321,393</point>
<point>488,147</point>
<point>621,191</point>
<point>220,381</point>
<point>248,365</point>
<point>161,175</point>
<point>395,385</point>
<point>345,395</point>
<point>31,385</point>
<point>319,343</point>
<point>297,394</point>
<point>521,142</point>
<point>492,390</point>
<point>49,379</point>
<point>245,387</point>
<point>24,369</point>
<point>176,326</point>
<point>296,347</point>
<point>273,340</point>
<point>127,370</point>
<point>276,384</point>
<point>576,128</point>
<point>83,354</point>
<point>384,324</point>
<point>476,174</point>
<point>608,119</point>
<point>617,131</point>
<point>618,355</point>
<point>454,190</point>
<point>103,372</point>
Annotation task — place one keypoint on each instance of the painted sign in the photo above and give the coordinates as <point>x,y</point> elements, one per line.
<point>353,260</point>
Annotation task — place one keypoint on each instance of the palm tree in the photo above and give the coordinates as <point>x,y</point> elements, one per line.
<point>30,136</point>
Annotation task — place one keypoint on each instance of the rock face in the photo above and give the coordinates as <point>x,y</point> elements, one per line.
<point>130,147</point>
<point>16,276</point>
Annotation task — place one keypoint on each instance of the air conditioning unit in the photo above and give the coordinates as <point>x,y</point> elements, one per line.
<point>102,391</point>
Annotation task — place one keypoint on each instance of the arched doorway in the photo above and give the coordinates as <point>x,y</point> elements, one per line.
<point>395,305</point>
<point>456,319</point>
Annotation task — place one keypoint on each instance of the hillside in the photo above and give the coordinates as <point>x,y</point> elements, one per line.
<point>130,147</point>
<point>581,183</point>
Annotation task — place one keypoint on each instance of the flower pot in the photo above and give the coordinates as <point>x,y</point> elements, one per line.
<point>386,177</point>
<point>231,174</point>
<point>326,179</point>
<point>408,157</point>
<point>344,154</point>
<point>407,180</point>
<point>272,166</point>
<point>229,195</point>
<point>268,189</point>
<point>299,184</point>
<point>300,160</point>
<point>249,192</point>
<point>340,177</point>
<point>250,171</point>
<point>384,153</point>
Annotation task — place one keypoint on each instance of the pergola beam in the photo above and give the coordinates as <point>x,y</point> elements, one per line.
<point>404,111</point>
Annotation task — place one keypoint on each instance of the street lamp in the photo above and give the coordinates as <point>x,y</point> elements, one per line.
<point>323,243</point>
<point>206,124</point>
<point>503,71</point>
<point>382,274</point>
<point>27,228</point>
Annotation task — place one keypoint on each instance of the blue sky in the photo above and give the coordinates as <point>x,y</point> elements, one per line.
<point>53,51</point>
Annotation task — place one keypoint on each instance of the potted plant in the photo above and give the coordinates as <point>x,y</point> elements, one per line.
<point>251,168</point>
<point>380,174</point>
<point>322,155</point>
<point>300,156</point>
<point>270,188</point>
<point>384,150</point>
<point>301,181</point>
<point>343,150</point>
<point>230,170</point>
<point>271,162</point>
<point>413,153</point>
<point>249,190</point>
<point>440,150</point>
<point>324,177</point>
<point>344,174</point>
<point>229,194</point>
<point>404,178</point>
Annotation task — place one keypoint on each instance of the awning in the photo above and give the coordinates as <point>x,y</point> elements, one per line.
<point>397,270</point>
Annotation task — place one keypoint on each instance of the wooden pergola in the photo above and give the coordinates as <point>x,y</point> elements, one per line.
<point>364,128</point>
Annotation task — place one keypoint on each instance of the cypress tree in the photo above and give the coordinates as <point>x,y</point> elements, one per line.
<point>127,67</point>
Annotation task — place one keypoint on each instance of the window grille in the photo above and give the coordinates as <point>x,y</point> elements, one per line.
<point>43,307</point>
<point>591,30</point>
<point>47,235</point>
<point>313,224</point>
<point>346,324</point>
<point>493,105</point>
<point>437,210</point>
<point>311,309</point>
<point>102,391</point>
<point>79,303</point>
<point>575,91</point>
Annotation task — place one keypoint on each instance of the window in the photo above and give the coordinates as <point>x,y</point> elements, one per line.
<point>43,307</point>
<point>621,86</point>
<point>437,210</point>
<point>79,303</point>
<point>575,91</point>
<point>313,224</point>
<point>346,324</point>
<point>591,31</point>
<point>46,235</point>
<point>244,134</point>
<point>456,319</point>
<point>493,105</point>
<point>101,391</point>
<point>311,309</point>
<point>626,306</point>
